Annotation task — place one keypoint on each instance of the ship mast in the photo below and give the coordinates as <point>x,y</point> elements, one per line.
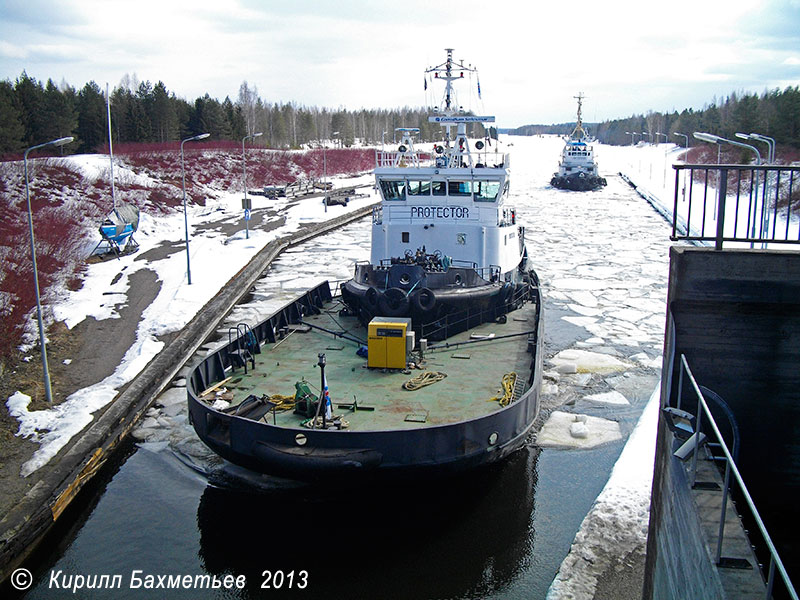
<point>578,133</point>
<point>449,71</point>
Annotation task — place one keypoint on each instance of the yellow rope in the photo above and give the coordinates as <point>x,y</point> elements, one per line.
<point>282,402</point>
<point>423,379</point>
<point>508,389</point>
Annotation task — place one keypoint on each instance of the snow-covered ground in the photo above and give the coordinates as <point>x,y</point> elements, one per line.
<point>602,258</point>
<point>650,167</point>
<point>214,258</point>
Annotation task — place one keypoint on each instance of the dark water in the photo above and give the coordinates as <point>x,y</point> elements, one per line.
<point>501,532</point>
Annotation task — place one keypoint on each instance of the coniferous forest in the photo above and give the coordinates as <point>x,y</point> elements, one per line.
<point>774,113</point>
<point>32,111</point>
<point>143,113</point>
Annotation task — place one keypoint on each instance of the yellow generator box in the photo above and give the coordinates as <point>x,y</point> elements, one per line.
<point>386,342</point>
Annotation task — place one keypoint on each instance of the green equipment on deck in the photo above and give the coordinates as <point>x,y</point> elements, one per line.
<point>305,401</point>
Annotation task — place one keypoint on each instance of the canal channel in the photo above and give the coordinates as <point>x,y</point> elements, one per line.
<point>170,507</point>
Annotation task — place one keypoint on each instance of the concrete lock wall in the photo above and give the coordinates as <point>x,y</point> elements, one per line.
<point>737,319</point>
<point>682,567</point>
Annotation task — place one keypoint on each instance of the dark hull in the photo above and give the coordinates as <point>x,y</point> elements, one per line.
<point>341,455</point>
<point>439,304</point>
<point>577,183</point>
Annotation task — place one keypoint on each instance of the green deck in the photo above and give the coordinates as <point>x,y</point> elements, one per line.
<point>474,373</point>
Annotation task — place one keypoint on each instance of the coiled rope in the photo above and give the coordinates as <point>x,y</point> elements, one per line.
<point>423,379</point>
<point>507,383</point>
<point>282,402</point>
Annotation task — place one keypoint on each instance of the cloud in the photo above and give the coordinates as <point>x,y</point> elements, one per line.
<point>8,50</point>
<point>624,55</point>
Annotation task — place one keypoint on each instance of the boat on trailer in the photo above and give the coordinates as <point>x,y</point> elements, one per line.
<point>440,372</point>
<point>578,169</point>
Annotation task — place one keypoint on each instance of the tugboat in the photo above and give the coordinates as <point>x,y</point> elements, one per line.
<point>430,360</point>
<point>447,251</point>
<point>577,170</point>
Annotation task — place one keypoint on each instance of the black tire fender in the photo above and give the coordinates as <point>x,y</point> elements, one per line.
<point>424,299</point>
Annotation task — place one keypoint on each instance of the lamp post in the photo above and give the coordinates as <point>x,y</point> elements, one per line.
<point>632,134</point>
<point>761,138</point>
<point>201,136</point>
<point>686,145</point>
<point>48,392</point>
<point>383,136</point>
<point>650,135</point>
<point>715,139</point>
<point>664,182</point>
<point>720,141</point>
<point>325,172</point>
<point>244,170</point>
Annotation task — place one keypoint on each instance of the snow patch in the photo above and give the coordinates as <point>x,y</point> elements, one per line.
<point>568,430</point>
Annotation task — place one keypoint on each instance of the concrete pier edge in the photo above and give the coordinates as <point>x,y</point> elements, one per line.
<point>22,529</point>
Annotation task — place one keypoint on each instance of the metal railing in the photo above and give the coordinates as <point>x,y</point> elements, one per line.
<point>736,203</point>
<point>731,469</point>
<point>421,159</point>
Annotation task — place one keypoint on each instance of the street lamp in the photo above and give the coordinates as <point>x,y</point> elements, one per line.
<point>244,169</point>
<point>761,138</point>
<point>325,171</point>
<point>48,392</point>
<point>686,145</point>
<point>664,134</point>
<point>201,136</point>
<point>650,135</point>
<point>720,141</point>
<point>715,139</point>
<point>632,134</point>
<point>685,137</point>
<point>383,135</point>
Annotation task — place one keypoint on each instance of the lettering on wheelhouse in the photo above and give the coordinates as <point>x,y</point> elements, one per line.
<point>440,212</point>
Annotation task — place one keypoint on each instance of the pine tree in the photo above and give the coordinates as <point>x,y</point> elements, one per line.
<point>12,131</point>
<point>164,116</point>
<point>92,129</point>
<point>30,99</point>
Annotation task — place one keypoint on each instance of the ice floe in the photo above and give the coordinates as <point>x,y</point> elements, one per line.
<point>569,430</point>
<point>584,361</point>
<point>611,398</point>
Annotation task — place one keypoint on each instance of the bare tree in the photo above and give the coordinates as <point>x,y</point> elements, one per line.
<point>248,99</point>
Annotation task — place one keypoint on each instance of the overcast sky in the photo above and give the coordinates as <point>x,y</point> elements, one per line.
<point>627,57</point>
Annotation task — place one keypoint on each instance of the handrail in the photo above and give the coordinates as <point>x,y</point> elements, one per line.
<point>424,159</point>
<point>731,468</point>
<point>750,197</point>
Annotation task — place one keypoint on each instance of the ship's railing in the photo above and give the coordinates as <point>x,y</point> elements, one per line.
<point>393,158</point>
<point>703,413</point>
<point>386,263</point>
<point>462,320</point>
<point>377,215</point>
<point>417,159</point>
<point>746,204</point>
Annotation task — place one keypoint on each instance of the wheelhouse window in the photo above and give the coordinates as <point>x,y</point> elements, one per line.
<point>485,191</point>
<point>393,190</point>
<point>419,188</point>
<point>439,188</point>
<point>458,188</point>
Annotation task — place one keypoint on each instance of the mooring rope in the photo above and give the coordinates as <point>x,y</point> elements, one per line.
<point>507,384</point>
<point>423,379</point>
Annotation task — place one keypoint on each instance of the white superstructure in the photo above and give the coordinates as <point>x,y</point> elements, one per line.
<point>451,201</point>
<point>577,169</point>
